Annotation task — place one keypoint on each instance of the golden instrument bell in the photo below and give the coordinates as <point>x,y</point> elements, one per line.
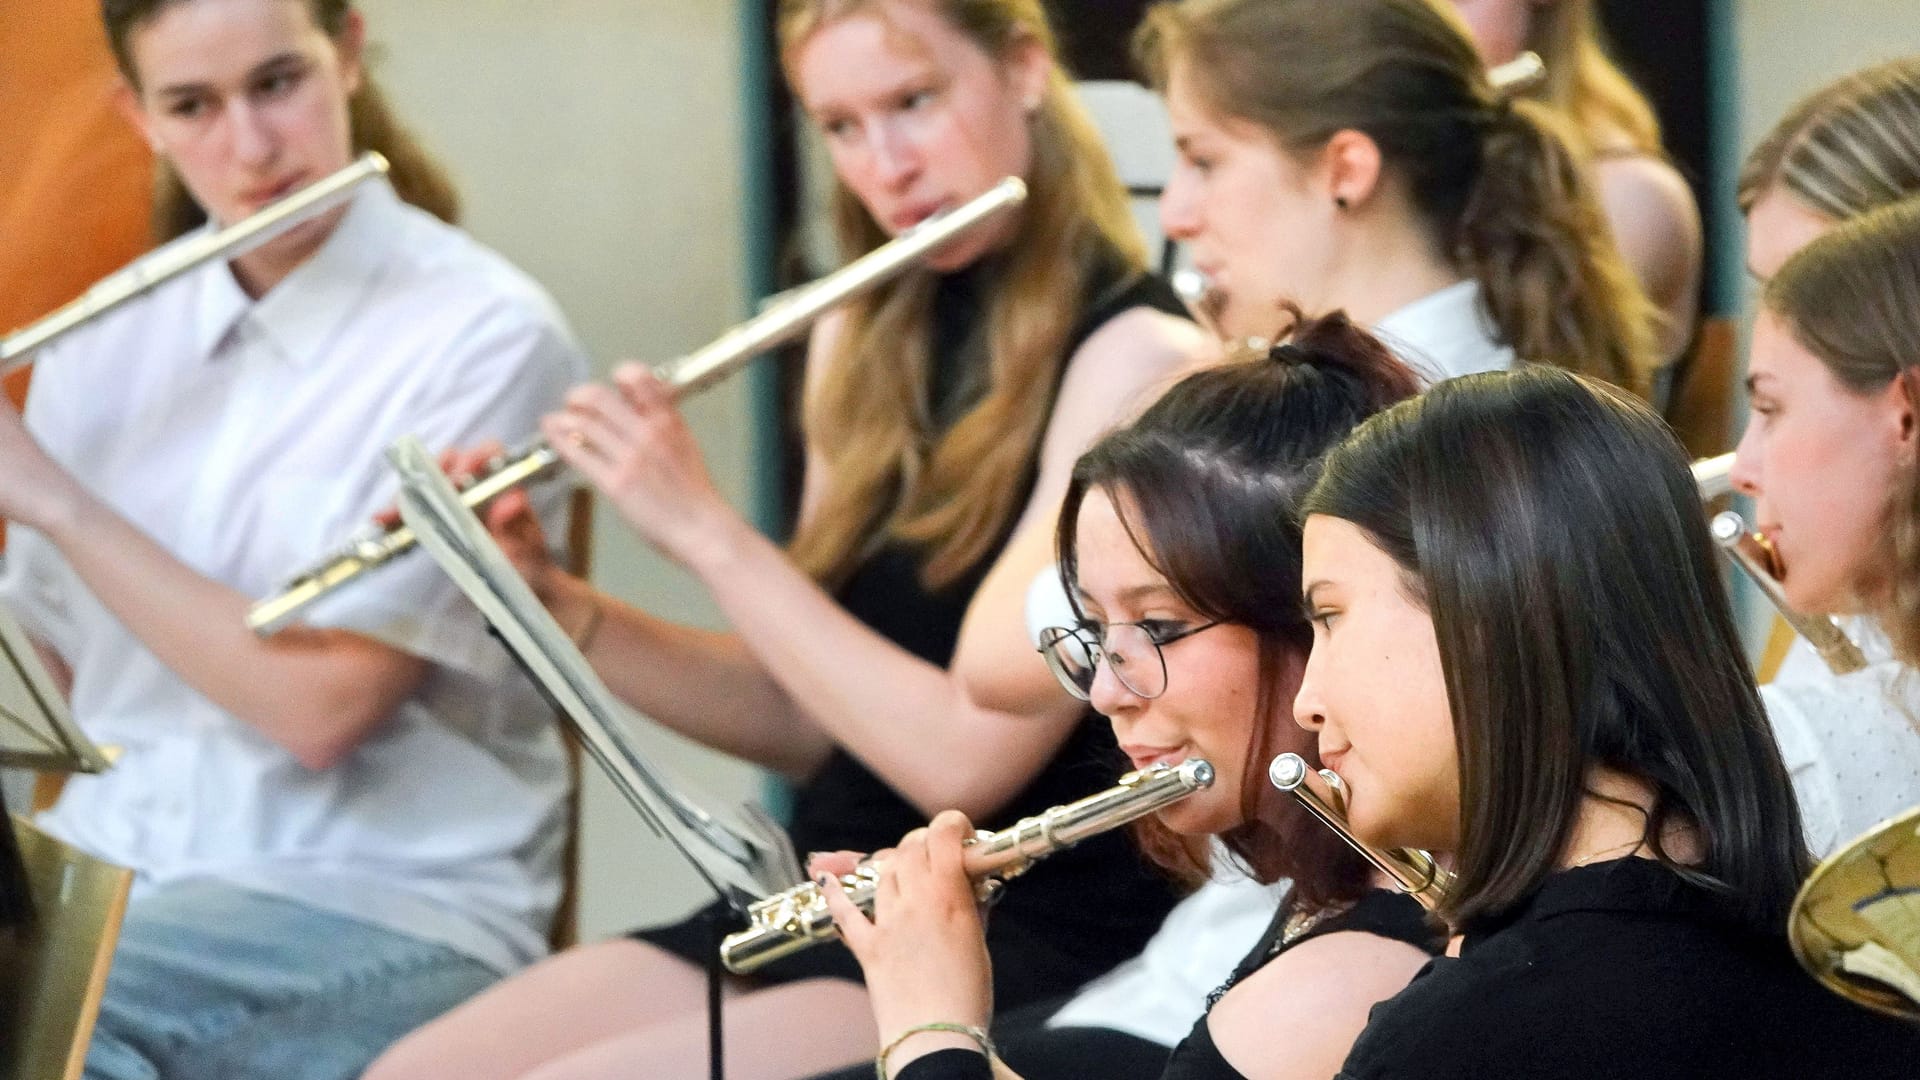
<point>1856,922</point>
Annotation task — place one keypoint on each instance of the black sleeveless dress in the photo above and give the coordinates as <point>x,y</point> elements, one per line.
<point>1075,914</point>
<point>1380,912</point>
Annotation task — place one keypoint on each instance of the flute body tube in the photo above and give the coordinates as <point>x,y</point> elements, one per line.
<point>789,316</point>
<point>796,919</point>
<point>1751,553</point>
<point>179,256</point>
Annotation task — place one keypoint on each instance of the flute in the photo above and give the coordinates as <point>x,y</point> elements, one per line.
<point>197,247</point>
<point>1412,871</point>
<point>1713,476</point>
<point>1753,555</point>
<point>787,318</point>
<point>788,922</point>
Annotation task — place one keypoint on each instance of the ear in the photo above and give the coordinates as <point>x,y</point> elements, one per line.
<point>126,101</point>
<point>1028,66</point>
<point>1350,164</point>
<point>352,44</point>
<point>1905,416</point>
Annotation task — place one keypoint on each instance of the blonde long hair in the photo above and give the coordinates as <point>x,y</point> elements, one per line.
<point>415,175</point>
<point>889,472</point>
<point>1609,112</point>
<point>1848,147</point>
<point>1852,298</point>
<point>1497,183</point>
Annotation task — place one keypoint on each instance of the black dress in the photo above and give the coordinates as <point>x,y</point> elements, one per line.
<point>1380,912</point>
<point>1625,970</point>
<point>1077,913</point>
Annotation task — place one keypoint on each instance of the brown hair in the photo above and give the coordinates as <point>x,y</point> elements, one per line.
<point>954,493</point>
<point>1846,148</point>
<point>1582,623</point>
<point>1852,298</point>
<point>1609,113</point>
<point>1495,181</point>
<point>1208,482</point>
<point>416,177</point>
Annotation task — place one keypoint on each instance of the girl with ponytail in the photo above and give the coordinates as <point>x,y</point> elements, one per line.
<point>1354,155</point>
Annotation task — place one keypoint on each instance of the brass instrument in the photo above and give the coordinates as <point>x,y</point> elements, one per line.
<point>1753,555</point>
<point>787,318</point>
<point>189,251</point>
<point>1714,476</point>
<point>788,922</point>
<point>1412,871</point>
<point>1856,922</point>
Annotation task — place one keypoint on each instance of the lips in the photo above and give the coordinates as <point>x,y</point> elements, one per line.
<point>1147,756</point>
<point>903,220</point>
<point>259,197</point>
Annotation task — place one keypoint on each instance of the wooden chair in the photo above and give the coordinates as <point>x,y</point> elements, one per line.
<point>53,972</point>
<point>1700,407</point>
<point>565,929</point>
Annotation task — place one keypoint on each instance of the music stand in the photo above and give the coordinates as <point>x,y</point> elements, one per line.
<point>36,730</point>
<point>743,859</point>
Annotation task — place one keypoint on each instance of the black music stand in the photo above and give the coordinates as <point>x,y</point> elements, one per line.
<point>743,859</point>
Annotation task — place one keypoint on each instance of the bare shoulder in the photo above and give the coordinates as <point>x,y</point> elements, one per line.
<point>1313,1000</point>
<point>1128,362</point>
<point>1649,191</point>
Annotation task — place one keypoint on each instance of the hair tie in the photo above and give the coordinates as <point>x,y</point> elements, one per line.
<point>1287,352</point>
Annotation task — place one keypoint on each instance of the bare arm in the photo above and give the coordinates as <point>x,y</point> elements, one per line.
<point>56,667</point>
<point>1657,228</point>
<point>316,693</point>
<point>912,722</point>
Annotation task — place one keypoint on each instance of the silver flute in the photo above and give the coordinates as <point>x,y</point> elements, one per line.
<point>1412,871</point>
<point>1714,476</point>
<point>786,318</point>
<point>197,247</point>
<point>1751,552</point>
<point>796,919</point>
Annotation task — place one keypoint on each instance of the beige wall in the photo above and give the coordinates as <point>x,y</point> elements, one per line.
<point>598,146</point>
<point>1789,47</point>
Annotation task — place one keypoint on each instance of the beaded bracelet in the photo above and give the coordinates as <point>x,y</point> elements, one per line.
<point>978,1035</point>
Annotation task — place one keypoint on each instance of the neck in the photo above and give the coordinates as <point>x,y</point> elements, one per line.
<point>1386,263</point>
<point>260,270</point>
<point>1612,823</point>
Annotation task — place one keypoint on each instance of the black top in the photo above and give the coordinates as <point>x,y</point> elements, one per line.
<point>1380,912</point>
<point>1080,911</point>
<point>1624,970</point>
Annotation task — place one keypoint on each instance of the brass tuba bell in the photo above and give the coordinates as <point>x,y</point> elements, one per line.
<point>1856,922</point>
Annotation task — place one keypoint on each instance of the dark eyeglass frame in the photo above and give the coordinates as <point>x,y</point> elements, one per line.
<point>1096,648</point>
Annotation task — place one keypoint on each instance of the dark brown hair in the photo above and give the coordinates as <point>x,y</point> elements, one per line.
<point>1496,182</point>
<point>1852,299</point>
<point>1551,527</point>
<point>1208,482</point>
<point>954,493</point>
<point>416,177</point>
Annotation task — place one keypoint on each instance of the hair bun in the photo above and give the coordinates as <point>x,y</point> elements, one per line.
<point>1332,343</point>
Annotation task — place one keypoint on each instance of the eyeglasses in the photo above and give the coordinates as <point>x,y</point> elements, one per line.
<point>1074,654</point>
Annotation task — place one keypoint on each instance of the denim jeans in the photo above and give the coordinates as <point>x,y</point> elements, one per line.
<point>213,982</point>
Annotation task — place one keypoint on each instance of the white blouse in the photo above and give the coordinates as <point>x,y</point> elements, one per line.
<point>1851,742</point>
<point>246,437</point>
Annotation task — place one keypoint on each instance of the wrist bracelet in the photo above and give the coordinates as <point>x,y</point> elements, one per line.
<point>978,1035</point>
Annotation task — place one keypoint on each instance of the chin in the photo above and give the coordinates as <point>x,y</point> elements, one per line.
<point>1205,813</point>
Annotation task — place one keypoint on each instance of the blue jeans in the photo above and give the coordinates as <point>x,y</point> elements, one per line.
<point>211,982</point>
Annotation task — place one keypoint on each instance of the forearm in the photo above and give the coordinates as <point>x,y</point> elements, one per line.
<point>288,688</point>
<point>701,683</point>
<point>907,719</point>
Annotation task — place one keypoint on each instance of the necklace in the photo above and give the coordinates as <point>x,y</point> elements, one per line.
<point>1627,848</point>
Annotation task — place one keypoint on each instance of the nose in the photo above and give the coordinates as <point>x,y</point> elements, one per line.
<point>251,133</point>
<point>1309,710</point>
<point>1747,467</point>
<point>1179,209</point>
<point>896,163</point>
<point>1108,695</point>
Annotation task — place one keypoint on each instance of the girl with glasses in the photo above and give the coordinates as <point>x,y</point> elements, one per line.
<point>1179,547</point>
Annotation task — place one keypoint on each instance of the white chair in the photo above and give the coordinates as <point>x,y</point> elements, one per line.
<point>1133,122</point>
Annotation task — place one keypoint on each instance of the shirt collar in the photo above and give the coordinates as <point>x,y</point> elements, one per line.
<point>1443,333</point>
<point>300,314</point>
<point>1628,885</point>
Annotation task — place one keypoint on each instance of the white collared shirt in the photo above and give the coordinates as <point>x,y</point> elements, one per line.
<point>1446,334</point>
<point>1851,742</point>
<point>246,437</point>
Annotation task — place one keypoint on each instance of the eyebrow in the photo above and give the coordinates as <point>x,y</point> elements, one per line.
<point>1306,594</point>
<point>1753,378</point>
<point>269,66</point>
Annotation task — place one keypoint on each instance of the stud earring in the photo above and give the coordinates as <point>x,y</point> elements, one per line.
<point>1340,202</point>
